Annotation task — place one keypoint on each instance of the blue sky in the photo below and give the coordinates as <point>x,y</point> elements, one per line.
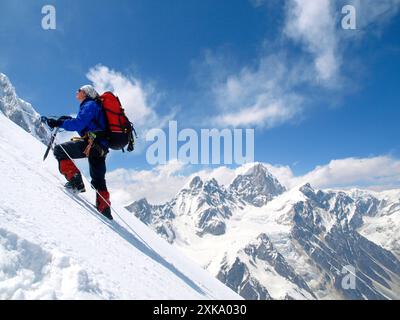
<point>183,55</point>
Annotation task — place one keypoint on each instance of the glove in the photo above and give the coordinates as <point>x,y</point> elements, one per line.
<point>53,123</point>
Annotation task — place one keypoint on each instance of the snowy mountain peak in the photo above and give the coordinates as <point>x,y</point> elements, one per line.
<point>5,84</point>
<point>306,188</point>
<point>212,186</point>
<point>19,111</point>
<point>196,183</point>
<point>198,187</point>
<point>142,207</point>
<point>257,169</point>
<point>308,191</point>
<point>257,186</point>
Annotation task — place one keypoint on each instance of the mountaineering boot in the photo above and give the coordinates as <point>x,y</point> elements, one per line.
<point>75,185</point>
<point>103,203</point>
<point>107,213</point>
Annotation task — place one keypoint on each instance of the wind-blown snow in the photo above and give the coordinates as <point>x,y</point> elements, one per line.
<point>56,246</point>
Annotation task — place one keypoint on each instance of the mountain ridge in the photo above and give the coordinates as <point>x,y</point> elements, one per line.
<point>298,223</point>
<point>19,111</point>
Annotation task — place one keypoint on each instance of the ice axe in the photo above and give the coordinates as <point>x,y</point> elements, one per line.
<point>52,138</point>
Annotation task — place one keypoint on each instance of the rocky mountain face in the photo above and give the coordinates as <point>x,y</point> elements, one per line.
<point>337,244</point>
<point>19,111</point>
<point>265,242</point>
<point>159,217</point>
<point>257,186</point>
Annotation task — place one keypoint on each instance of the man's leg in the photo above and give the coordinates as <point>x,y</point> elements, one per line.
<point>98,172</point>
<point>63,152</point>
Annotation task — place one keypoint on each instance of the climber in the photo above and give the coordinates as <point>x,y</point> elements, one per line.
<point>90,124</point>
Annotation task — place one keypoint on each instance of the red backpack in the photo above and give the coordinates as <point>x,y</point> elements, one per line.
<point>120,131</point>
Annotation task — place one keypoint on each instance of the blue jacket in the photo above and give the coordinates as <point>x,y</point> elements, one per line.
<point>89,119</point>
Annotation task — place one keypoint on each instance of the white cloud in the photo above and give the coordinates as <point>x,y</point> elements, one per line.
<point>138,99</point>
<point>315,26</point>
<point>352,172</point>
<point>269,115</point>
<point>267,93</point>
<point>157,185</point>
<point>261,96</point>
<point>312,23</point>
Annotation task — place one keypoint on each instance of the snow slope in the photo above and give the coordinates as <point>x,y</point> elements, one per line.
<point>55,246</point>
<point>382,226</point>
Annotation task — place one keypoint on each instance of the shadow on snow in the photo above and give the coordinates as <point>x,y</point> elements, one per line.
<point>134,239</point>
